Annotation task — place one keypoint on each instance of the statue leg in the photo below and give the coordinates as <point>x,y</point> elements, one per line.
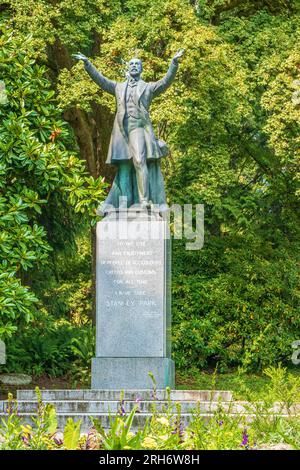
<point>122,186</point>
<point>156,183</point>
<point>138,150</point>
<point>125,170</point>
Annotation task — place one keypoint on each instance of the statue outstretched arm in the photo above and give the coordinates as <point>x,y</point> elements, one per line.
<point>161,85</point>
<point>103,82</point>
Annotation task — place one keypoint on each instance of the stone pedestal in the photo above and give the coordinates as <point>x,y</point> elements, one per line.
<point>133,302</point>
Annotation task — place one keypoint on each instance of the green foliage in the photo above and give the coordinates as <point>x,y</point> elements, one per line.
<point>71,23</point>
<point>11,429</point>
<point>221,434</point>
<point>15,435</point>
<point>63,284</point>
<point>49,346</point>
<point>83,349</point>
<point>71,299</point>
<point>260,425</point>
<point>34,164</point>
<point>72,434</point>
<point>22,141</point>
<point>236,381</point>
<point>222,10</point>
<point>241,310</point>
<point>236,301</point>
<point>120,435</point>
<point>15,300</point>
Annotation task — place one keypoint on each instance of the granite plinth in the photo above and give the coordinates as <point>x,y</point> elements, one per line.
<point>132,372</point>
<point>133,317</point>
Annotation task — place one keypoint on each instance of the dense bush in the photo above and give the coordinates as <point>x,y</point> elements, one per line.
<point>36,167</point>
<point>236,301</point>
<point>235,306</point>
<point>53,347</point>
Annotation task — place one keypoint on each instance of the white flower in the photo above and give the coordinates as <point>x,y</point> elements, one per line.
<point>164,421</point>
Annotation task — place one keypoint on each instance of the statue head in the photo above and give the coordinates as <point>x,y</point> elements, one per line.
<point>135,67</point>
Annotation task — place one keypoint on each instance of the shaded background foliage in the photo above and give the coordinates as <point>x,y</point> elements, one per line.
<point>231,120</point>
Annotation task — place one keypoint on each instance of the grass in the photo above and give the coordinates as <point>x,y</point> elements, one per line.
<point>194,379</point>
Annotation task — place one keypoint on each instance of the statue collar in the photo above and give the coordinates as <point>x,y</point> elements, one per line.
<point>141,86</point>
<point>132,81</point>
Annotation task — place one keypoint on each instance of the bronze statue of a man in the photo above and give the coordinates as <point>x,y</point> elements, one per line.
<point>133,145</point>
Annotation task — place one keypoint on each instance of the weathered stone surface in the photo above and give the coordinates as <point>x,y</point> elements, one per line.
<point>133,298</point>
<point>99,404</point>
<point>2,352</point>
<point>92,406</point>
<point>132,372</point>
<point>133,319</point>
<point>129,395</point>
<point>15,379</point>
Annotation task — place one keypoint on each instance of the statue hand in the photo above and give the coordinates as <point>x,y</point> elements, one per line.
<point>80,56</point>
<point>178,54</point>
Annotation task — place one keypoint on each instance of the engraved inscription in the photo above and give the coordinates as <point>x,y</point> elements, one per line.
<point>123,271</point>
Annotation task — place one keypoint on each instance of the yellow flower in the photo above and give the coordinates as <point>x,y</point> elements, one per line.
<point>149,442</point>
<point>26,429</point>
<point>163,421</point>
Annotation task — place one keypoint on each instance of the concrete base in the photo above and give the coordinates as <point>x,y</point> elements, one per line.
<point>112,373</point>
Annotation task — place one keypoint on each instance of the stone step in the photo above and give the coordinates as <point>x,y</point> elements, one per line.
<point>98,407</point>
<point>129,395</point>
<point>93,406</point>
<point>103,404</point>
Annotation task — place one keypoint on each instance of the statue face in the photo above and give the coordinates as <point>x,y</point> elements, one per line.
<point>135,67</point>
